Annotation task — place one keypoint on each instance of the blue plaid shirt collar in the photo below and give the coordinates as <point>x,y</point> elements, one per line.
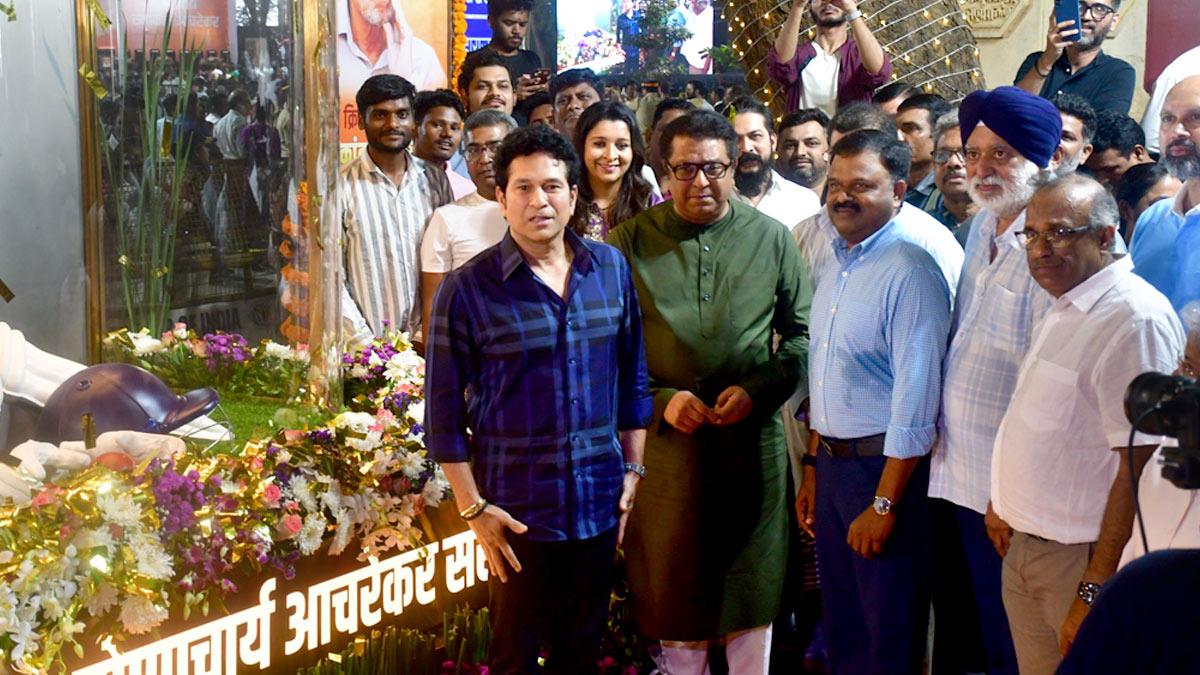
<point>511,257</point>
<point>844,251</point>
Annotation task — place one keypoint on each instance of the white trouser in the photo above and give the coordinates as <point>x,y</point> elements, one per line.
<point>748,652</point>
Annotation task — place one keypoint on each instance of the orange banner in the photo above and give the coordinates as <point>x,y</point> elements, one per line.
<point>210,24</point>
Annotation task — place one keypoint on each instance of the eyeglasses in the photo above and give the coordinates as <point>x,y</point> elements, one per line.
<point>943,156</point>
<point>688,171</point>
<point>1099,10</point>
<point>476,151</point>
<point>1188,370</point>
<point>1060,237</point>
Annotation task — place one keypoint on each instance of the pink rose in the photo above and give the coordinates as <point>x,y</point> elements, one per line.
<point>294,435</point>
<point>45,497</point>
<point>271,494</point>
<point>257,465</point>
<point>292,505</point>
<point>292,524</point>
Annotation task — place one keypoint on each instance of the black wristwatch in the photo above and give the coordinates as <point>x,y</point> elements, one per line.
<point>1088,592</point>
<point>808,460</point>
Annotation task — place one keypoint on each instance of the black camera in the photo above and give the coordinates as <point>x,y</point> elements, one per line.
<point>1169,405</point>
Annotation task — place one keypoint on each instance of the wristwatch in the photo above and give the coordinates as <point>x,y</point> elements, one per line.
<point>1088,592</point>
<point>882,505</point>
<point>634,467</point>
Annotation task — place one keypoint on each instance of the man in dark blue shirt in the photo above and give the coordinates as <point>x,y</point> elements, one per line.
<point>543,334</point>
<point>1071,65</point>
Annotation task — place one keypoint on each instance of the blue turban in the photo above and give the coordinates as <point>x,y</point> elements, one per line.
<point>1030,124</point>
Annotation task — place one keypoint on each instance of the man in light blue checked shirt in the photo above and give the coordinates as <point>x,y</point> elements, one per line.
<point>881,316</point>
<point>1009,137</point>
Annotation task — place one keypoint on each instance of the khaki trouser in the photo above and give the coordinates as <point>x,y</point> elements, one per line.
<point>1038,584</point>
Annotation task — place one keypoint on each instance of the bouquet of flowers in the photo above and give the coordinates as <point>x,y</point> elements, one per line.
<point>185,360</point>
<point>126,548</point>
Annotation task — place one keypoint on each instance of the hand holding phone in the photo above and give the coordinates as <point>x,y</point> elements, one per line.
<point>1067,12</point>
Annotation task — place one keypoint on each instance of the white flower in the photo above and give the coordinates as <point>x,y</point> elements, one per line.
<point>311,533</point>
<point>144,344</point>
<point>359,372</point>
<point>303,494</point>
<point>279,351</point>
<point>403,365</point>
<point>341,535</point>
<point>434,492</point>
<point>374,360</point>
<point>411,464</point>
<point>332,497</point>
<point>152,560</point>
<point>87,539</point>
<point>102,600</point>
<point>120,509</point>
<point>416,412</point>
<point>358,422</point>
<point>139,615</point>
<point>180,331</point>
<point>371,441</point>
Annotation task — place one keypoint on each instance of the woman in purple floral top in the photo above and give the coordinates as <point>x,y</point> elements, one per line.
<point>610,146</point>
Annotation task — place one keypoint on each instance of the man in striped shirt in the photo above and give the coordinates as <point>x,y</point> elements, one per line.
<point>387,196</point>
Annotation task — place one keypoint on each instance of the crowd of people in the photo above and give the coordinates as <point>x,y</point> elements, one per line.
<point>894,328</point>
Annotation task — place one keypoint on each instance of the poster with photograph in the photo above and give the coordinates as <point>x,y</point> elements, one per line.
<point>409,38</point>
<point>602,35</point>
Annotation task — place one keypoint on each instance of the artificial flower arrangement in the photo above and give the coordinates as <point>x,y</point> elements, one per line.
<point>186,360</point>
<point>121,549</point>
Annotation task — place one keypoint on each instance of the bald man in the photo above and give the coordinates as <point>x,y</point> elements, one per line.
<point>1153,246</point>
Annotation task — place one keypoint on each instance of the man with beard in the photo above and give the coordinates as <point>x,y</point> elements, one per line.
<point>484,82</point>
<point>1153,247</point>
<point>881,314</point>
<point>757,183</point>
<point>1079,125</point>
<point>387,196</point>
<point>804,148</point>
<point>725,307</point>
<point>1081,67</point>
<point>915,119</point>
<point>509,21</point>
<point>375,38</point>
<point>843,63</point>
<point>951,202</point>
<point>1009,137</point>
<point>439,116</point>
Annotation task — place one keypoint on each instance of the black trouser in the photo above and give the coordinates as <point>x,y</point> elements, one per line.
<point>559,600</point>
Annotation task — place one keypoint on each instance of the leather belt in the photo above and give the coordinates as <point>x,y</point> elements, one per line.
<point>867,446</point>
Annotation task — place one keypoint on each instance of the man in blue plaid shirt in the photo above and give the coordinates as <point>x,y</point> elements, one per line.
<point>543,334</point>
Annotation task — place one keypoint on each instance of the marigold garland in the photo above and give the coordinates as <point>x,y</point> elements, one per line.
<point>459,22</point>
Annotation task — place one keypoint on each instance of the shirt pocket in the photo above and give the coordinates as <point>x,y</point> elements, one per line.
<point>1051,404</point>
<point>1006,319</point>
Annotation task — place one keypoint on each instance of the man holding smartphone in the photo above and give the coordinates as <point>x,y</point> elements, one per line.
<point>509,20</point>
<point>1074,63</point>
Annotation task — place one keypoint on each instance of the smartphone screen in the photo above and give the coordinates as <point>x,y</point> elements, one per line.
<point>1068,10</point>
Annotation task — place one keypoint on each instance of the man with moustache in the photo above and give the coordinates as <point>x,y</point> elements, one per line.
<point>881,314</point>
<point>387,196</point>
<point>803,149</point>
<point>459,231</point>
<point>951,202</point>
<point>1059,475</point>
<point>1009,138</point>
<point>1153,247</point>
<point>757,183</point>
<point>439,116</point>
<point>537,411</point>
<point>815,235</point>
<point>843,63</point>
<point>484,82</point>
<point>375,38</point>
<point>1081,67</point>
<point>719,284</point>
<point>572,92</point>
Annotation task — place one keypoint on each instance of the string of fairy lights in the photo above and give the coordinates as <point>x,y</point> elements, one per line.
<point>943,30</point>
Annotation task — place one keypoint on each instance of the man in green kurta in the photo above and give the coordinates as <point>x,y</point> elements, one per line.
<point>706,544</point>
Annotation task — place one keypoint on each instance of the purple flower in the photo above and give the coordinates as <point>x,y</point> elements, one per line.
<point>177,498</point>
